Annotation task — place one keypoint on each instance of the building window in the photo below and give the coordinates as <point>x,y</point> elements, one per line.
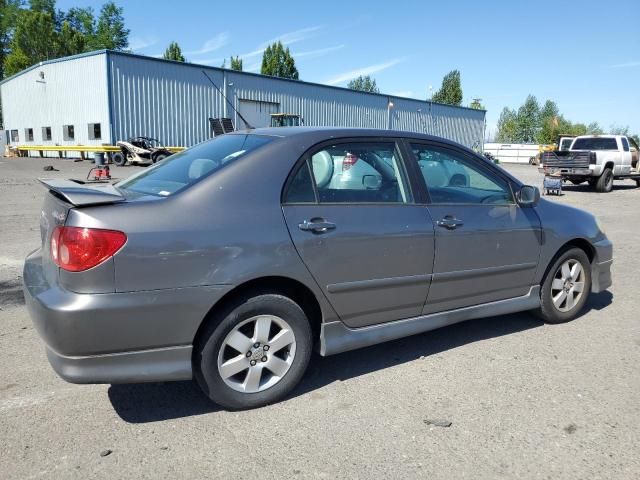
<point>14,136</point>
<point>95,132</point>
<point>28,134</point>
<point>46,133</point>
<point>68,133</point>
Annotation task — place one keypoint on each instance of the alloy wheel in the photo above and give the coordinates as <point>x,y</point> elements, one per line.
<point>256,354</point>
<point>567,287</point>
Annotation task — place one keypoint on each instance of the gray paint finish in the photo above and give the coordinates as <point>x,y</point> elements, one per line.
<point>385,271</point>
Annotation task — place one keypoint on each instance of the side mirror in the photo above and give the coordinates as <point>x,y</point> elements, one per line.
<point>371,182</point>
<point>528,196</point>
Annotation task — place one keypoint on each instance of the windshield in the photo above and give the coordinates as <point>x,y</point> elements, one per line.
<point>595,143</point>
<point>184,169</point>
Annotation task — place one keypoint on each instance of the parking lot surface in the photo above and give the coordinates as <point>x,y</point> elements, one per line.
<point>523,399</point>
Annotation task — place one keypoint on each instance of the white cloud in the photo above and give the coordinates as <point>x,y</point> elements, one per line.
<point>140,43</point>
<point>350,75</point>
<point>286,39</point>
<point>402,93</point>
<point>316,53</point>
<point>211,45</point>
<point>635,63</point>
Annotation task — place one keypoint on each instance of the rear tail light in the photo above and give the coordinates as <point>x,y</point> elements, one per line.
<point>348,161</point>
<point>76,249</point>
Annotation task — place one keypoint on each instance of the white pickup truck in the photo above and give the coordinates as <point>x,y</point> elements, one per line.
<point>597,159</point>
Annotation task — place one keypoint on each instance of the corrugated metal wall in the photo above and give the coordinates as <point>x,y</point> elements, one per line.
<point>172,102</point>
<point>68,92</point>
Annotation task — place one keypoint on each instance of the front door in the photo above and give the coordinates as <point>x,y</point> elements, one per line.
<point>352,219</point>
<point>487,247</point>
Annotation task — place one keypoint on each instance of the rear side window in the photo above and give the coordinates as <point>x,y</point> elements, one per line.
<point>184,169</point>
<point>596,143</point>
<point>349,173</point>
<point>625,144</point>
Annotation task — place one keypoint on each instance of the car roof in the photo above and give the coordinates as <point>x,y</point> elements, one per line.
<point>330,132</point>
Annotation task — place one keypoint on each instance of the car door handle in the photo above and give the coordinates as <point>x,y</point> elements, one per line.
<point>316,226</point>
<point>450,223</point>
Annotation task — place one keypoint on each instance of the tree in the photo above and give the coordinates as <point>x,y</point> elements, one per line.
<point>619,129</point>
<point>450,92</point>
<point>9,10</point>
<point>364,84</point>
<point>278,62</point>
<point>174,52</point>
<point>507,126</point>
<point>527,119</point>
<point>476,104</point>
<point>34,40</point>
<point>111,32</point>
<point>236,63</point>
<point>549,123</point>
<point>594,129</point>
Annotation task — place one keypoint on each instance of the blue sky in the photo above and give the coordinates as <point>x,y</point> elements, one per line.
<point>584,55</point>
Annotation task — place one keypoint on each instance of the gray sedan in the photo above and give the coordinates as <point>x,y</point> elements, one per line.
<point>231,261</point>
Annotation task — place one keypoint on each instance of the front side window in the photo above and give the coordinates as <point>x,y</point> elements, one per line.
<point>68,132</point>
<point>186,168</point>
<point>565,144</point>
<point>452,177</point>
<point>354,172</point>
<point>46,133</point>
<point>625,144</point>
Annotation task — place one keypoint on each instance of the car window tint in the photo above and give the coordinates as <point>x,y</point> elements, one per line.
<point>300,189</point>
<point>595,143</point>
<point>186,168</point>
<point>359,172</point>
<point>452,177</point>
<point>625,144</point>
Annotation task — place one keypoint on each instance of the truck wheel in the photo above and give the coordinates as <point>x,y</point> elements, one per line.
<point>119,159</point>
<point>605,182</point>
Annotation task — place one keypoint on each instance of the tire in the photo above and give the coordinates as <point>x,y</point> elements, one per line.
<point>238,325</point>
<point>158,157</point>
<point>605,182</point>
<point>561,311</point>
<point>119,159</point>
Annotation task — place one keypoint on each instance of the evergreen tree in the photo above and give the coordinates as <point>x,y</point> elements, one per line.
<point>236,63</point>
<point>450,92</point>
<point>174,52</point>
<point>364,84</point>
<point>278,62</point>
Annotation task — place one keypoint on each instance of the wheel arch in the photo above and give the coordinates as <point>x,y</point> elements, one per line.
<point>288,287</point>
<point>578,242</point>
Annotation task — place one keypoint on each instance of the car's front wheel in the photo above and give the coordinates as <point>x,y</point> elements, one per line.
<point>566,287</point>
<point>256,354</point>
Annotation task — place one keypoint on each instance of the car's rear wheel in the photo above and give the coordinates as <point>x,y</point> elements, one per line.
<point>605,182</point>
<point>566,287</point>
<point>256,354</point>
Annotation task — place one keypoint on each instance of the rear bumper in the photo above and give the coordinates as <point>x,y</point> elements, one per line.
<point>116,337</point>
<point>157,365</point>
<point>601,266</point>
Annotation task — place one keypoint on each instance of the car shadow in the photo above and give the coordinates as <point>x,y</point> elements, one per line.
<point>153,402</point>
<point>583,187</point>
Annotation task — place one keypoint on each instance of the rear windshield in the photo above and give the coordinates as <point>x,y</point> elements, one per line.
<point>595,144</point>
<point>186,168</point>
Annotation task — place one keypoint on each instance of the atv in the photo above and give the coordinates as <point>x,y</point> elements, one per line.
<point>139,150</point>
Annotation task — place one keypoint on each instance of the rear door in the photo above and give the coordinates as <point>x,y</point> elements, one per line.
<point>487,247</point>
<point>354,222</point>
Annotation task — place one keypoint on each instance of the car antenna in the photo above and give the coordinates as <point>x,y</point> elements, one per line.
<point>249,126</point>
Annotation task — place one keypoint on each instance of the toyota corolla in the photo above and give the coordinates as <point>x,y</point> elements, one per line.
<point>232,261</point>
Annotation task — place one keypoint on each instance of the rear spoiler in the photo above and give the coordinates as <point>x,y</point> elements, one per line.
<point>82,194</point>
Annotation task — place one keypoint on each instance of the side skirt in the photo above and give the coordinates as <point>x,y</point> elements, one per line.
<point>336,337</point>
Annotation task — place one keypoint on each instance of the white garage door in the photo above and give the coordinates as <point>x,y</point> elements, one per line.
<point>258,114</point>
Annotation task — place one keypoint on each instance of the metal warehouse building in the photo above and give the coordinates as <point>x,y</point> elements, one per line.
<point>105,96</point>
